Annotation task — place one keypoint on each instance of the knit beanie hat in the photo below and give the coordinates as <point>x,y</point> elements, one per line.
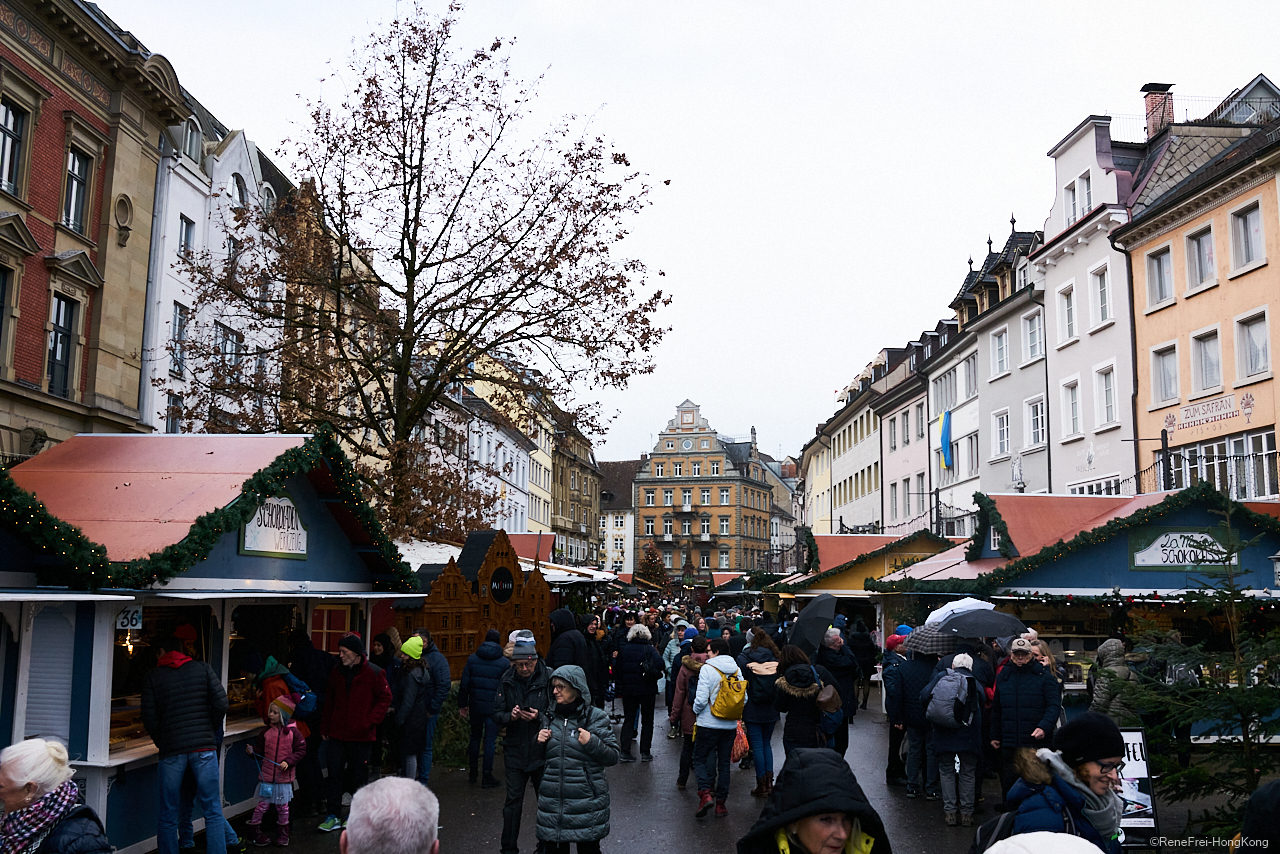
<point>962,659</point>
<point>353,643</point>
<point>690,633</point>
<point>903,630</point>
<point>1089,736</point>
<point>491,636</point>
<point>285,705</point>
<point>525,647</point>
<point>412,647</point>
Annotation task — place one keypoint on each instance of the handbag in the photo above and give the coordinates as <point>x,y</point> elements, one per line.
<point>741,747</point>
<point>828,701</point>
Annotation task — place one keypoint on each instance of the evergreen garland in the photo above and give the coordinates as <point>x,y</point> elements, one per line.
<point>33,525</point>
<point>988,515</point>
<point>811,546</point>
<point>922,534</point>
<point>990,582</point>
<point>86,566</point>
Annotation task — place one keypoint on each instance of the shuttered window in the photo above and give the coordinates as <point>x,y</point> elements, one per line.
<point>49,682</point>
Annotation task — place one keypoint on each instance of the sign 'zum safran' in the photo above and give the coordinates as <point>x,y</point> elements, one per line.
<point>1177,549</point>
<point>276,530</point>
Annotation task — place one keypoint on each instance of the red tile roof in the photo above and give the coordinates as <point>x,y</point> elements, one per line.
<point>527,545</point>
<point>837,549</point>
<point>1036,521</point>
<point>136,494</point>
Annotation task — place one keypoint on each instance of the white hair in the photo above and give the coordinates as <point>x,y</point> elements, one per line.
<point>36,761</point>
<point>393,815</point>
<point>962,659</point>
<point>639,630</point>
<point>829,638</point>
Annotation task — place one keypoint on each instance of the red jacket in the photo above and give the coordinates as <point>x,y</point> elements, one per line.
<point>353,714</point>
<point>279,744</point>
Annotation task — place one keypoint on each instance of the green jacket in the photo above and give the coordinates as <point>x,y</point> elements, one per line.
<point>573,800</point>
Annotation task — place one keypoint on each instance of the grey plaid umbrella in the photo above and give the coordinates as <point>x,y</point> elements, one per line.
<point>929,639</point>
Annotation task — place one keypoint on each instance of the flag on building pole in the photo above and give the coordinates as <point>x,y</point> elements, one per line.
<point>945,438</point>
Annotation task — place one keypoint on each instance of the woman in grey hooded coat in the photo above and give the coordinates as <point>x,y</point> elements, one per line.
<point>577,745</point>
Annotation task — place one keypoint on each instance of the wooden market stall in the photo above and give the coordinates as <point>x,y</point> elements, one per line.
<point>228,542</point>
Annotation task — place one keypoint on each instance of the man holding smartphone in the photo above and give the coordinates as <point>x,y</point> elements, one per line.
<point>521,706</point>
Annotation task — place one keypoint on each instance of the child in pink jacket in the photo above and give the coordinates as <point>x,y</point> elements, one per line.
<point>279,748</point>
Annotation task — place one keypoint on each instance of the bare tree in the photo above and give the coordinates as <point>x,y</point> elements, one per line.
<point>435,244</point>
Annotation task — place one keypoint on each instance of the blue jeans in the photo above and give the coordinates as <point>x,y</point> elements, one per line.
<point>204,768</point>
<point>424,758</point>
<point>186,833</point>
<point>760,737</point>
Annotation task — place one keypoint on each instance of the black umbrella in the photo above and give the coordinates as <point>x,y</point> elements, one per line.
<point>982,624</point>
<point>812,624</point>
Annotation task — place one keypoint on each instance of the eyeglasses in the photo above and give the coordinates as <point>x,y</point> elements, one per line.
<point>1111,768</point>
<point>559,687</point>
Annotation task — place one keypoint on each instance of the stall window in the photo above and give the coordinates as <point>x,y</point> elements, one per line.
<point>328,624</point>
<point>48,686</point>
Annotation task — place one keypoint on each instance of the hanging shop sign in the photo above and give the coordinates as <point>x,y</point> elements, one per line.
<point>276,530</point>
<point>1138,821</point>
<point>501,585</point>
<point>1177,549</point>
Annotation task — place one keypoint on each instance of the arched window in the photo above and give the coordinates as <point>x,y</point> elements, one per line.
<point>192,140</point>
<point>239,195</point>
<point>268,197</point>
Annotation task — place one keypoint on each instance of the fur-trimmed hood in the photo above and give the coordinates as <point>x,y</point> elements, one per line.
<point>693,663</point>
<point>798,681</point>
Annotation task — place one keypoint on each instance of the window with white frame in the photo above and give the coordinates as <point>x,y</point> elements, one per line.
<point>715,467</point>
<point>1036,433</point>
<point>1071,408</point>
<point>705,495</point>
<point>1159,277</point>
<point>677,469</point>
<point>920,414</point>
<point>697,469</point>
<point>1164,374</point>
<point>666,527</point>
<point>906,427</point>
<point>648,526</point>
<point>999,352</point>
<point>1101,294</point>
<point>1069,203</point>
<point>724,495</point>
<point>971,376</point>
<point>921,497</point>
<point>666,559</point>
<point>668,496</point>
<point>1200,267</point>
<point>191,140</point>
<point>686,496</point>
<point>724,560</point>
<point>704,444</point>
<point>724,525</point>
<point>1206,359</point>
<point>1022,277</point>
<point>619,520</point>
<point>1033,329</point>
<point>1000,429</point>
<point>971,453</point>
<point>670,444</point>
<point>1067,310</point>
<point>1253,345</point>
<point>1084,187</point>
<point>705,527</point>
<point>893,434</point>
<point>906,498</point>
<point>658,469</point>
<point>648,498</point>
<point>995,539</point>
<point>893,501</point>
<point>1246,236</point>
<point>944,391</point>
<point>1106,385</point>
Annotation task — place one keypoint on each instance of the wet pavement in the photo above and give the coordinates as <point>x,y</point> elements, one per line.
<point>648,813</point>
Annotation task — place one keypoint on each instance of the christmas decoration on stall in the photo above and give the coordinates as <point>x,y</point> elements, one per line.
<point>989,517</point>
<point>32,525</point>
<point>811,551</point>
<point>924,535</point>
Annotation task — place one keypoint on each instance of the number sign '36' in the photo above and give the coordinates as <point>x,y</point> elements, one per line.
<point>130,618</point>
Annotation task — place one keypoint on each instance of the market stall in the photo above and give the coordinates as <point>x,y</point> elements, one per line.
<point>227,542</point>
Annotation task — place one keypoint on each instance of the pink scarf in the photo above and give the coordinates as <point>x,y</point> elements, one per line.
<point>24,829</point>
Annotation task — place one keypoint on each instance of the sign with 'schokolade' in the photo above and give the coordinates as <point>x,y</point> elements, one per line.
<point>1187,549</point>
<point>276,530</point>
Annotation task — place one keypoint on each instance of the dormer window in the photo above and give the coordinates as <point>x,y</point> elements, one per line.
<point>192,140</point>
<point>239,193</point>
<point>1069,203</point>
<point>268,196</point>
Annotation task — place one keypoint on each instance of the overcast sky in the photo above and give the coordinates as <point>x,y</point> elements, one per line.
<point>833,165</point>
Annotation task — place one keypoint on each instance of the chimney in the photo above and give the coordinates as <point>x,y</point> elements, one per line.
<point>753,436</point>
<point>1159,107</point>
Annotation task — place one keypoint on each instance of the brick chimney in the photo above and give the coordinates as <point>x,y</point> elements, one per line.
<point>1159,107</point>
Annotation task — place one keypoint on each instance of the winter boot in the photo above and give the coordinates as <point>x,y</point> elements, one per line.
<point>768,785</point>
<point>261,839</point>
<point>950,819</point>
<point>704,803</point>
<point>966,819</point>
<point>760,790</point>
<point>722,809</point>
<point>282,835</point>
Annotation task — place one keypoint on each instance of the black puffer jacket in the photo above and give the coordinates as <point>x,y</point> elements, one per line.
<point>760,667</point>
<point>1027,697</point>
<point>797,695</point>
<point>521,736</point>
<point>631,658</point>
<point>573,799</point>
<point>480,679</point>
<point>903,685</point>
<point>183,706</point>
<point>813,782</point>
<point>568,646</point>
<point>413,714</point>
<point>79,832</point>
<point>844,667</point>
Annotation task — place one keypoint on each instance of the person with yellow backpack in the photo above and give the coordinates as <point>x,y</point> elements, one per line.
<point>718,705</point>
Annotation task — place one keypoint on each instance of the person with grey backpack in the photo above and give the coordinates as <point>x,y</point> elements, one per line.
<point>953,707</point>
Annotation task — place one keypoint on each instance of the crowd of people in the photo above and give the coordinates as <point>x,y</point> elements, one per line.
<point>991,709</point>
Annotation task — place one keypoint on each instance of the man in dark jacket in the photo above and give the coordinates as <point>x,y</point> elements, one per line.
<point>639,668</point>
<point>836,657</point>
<point>476,693</point>
<point>904,684</point>
<point>895,772</point>
<point>1025,709</point>
<point>313,667</point>
<point>568,646</point>
<point>434,662</point>
<point>355,702</point>
<point>521,705</point>
<point>865,651</point>
<point>183,705</point>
